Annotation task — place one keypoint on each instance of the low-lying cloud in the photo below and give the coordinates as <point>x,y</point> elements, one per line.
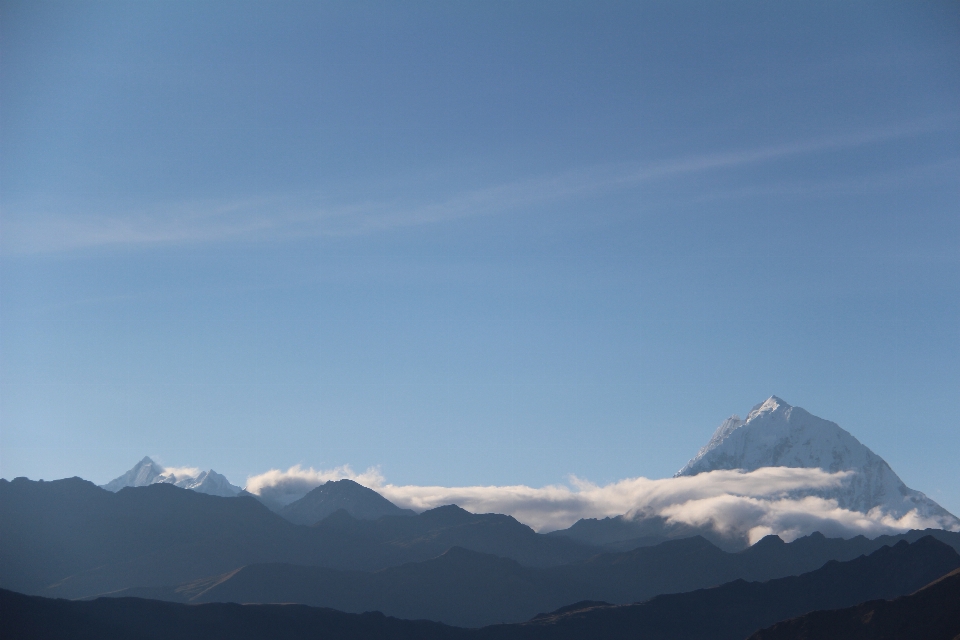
<point>176,474</point>
<point>286,486</point>
<point>771,500</point>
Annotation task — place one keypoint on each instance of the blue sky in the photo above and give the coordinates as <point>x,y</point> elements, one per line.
<point>470,243</point>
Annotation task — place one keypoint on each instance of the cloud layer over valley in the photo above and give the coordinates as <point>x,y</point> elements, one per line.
<point>786,501</point>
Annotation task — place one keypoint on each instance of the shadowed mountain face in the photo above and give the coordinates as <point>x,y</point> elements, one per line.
<point>737,609</point>
<point>623,533</point>
<point>932,613</point>
<point>471,589</point>
<point>70,538</point>
<point>357,500</point>
<point>733,610</point>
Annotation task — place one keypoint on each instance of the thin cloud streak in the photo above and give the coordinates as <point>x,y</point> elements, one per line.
<point>47,228</point>
<point>751,504</point>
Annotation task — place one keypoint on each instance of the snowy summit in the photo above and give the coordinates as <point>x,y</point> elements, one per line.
<point>148,472</point>
<point>778,435</point>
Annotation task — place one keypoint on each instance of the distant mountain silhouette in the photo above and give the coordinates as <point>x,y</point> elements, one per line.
<point>735,610</point>
<point>70,538</point>
<point>732,610</point>
<point>932,613</point>
<point>357,500</point>
<point>471,589</point>
<point>623,533</point>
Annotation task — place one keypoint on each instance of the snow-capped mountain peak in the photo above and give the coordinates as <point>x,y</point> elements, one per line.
<point>771,404</point>
<point>776,434</point>
<point>148,472</point>
<point>143,473</point>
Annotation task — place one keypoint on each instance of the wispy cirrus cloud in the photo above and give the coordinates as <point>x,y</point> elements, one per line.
<point>46,227</point>
<point>749,504</point>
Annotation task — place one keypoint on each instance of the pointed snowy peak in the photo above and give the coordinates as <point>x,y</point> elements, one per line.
<point>776,434</point>
<point>768,406</point>
<point>143,473</point>
<point>727,427</point>
<point>147,472</point>
<point>213,483</point>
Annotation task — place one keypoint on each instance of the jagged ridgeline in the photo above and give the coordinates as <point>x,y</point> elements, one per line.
<point>189,537</point>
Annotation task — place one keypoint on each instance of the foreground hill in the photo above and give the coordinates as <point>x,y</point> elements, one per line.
<point>37,618</point>
<point>471,589</point>
<point>933,613</point>
<point>733,610</point>
<point>70,538</point>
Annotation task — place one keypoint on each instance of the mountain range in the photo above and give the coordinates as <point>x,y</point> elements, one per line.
<point>471,589</point>
<point>773,434</point>
<point>156,539</point>
<point>71,538</point>
<point>315,505</point>
<point>729,611</point>
<point>147,472</point>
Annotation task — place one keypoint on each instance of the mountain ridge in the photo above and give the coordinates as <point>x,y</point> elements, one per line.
<point>71,538</point>
<point>147,472</point>
<point>471,589</point>
<point>730,611</point>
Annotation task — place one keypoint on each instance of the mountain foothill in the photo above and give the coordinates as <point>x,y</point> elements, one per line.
<point>164,553</point>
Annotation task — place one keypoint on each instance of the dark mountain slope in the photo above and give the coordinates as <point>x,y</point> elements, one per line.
<point>620,533</point>
<point>56,532</point>
<point>733,610</point>
<point>933,613</point>
<point>432,532</point>
<point>35,618</point>
<point>737,609</point>
<point>70,538</point>
<point>467,588</point>
<point>357,500</point>
<point>460,587</point>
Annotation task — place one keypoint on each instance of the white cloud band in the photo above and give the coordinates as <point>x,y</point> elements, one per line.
<point>769,500</point>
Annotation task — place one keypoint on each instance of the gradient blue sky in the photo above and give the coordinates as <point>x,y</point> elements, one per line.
<point>485,243</point>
